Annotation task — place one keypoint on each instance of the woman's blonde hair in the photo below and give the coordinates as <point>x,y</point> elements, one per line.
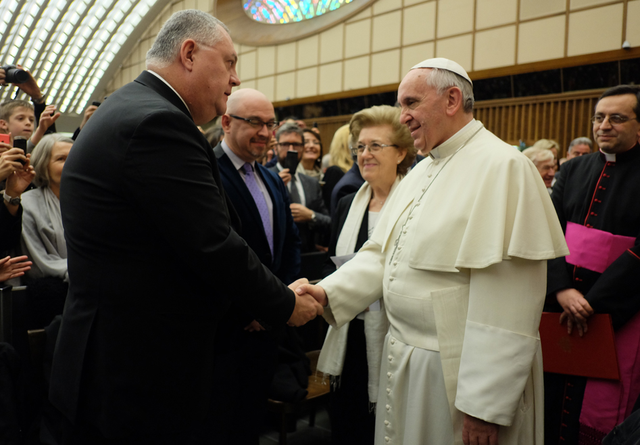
<point>339,150</point>
<point>400,134</point>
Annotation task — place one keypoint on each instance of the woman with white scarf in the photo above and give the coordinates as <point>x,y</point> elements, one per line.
<point>42,233</point>
<point>351,355</point>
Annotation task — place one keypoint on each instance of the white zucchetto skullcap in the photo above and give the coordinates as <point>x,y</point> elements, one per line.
<point>444,64</point>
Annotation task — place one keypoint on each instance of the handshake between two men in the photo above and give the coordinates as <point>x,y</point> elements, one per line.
<point>310,302</point>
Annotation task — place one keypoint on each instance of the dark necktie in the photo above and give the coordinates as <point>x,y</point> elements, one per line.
<point>295,196</point>
<point>261,203</point>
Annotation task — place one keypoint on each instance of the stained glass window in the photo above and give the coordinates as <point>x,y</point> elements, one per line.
<point>289,11</point>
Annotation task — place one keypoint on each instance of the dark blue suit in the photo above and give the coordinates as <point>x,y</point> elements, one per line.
<point>246,361</point>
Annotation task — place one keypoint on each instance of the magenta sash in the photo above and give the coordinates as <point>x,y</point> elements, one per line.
<point>594,249</point>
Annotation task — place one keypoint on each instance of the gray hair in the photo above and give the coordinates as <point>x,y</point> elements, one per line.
<point>203,28</point>
<point>41,156</point>
<point>538,155</point>
<point>441,80</point>
<point>289,128</point>
<point>580,141</point>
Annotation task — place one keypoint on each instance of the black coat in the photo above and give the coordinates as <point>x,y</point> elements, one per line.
<point>153,265</point>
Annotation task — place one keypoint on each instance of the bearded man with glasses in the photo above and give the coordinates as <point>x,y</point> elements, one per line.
<point>597,203</point>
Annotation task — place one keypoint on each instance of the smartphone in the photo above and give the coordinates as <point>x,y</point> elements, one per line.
<point>5,138</point>
<point>20,142</point>
<point>291,161</point>
<point>96,103</point>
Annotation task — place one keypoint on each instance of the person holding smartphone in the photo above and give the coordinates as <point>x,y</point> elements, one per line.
<point>307,206</point>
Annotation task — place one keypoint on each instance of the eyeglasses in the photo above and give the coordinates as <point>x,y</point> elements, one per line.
<point>373,148</point>
<point>257,123</point>
<point>614,119</point>
<point>296,145</point>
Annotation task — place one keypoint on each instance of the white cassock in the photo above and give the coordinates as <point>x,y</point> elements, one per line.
<point>460,259</point>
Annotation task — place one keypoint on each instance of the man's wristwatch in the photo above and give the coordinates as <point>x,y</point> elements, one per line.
<point>10,200</point>
<point>313,216</point>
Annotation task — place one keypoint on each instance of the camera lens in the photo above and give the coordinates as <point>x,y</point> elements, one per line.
<point>14,74</point>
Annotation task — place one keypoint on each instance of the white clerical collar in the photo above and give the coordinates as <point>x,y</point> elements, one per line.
<point>235,160</point>
<point>169,85</point>
<point>448,147</point>
<point>609,157</point>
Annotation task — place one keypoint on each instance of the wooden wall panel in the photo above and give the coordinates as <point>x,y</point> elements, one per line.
<point>561,117</point>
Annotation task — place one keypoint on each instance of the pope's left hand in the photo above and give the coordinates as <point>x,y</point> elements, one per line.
<point>479,432</point>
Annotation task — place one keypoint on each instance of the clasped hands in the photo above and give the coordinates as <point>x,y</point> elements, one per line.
<point>576,310</point>
<point>310,302</point>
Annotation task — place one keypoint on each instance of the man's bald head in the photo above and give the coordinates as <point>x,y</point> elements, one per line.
<point>246,98</point>
<point>247,123</point>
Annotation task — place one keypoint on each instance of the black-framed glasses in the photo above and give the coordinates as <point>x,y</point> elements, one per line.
<point>295,145</point>
<point>256,123</point>
<point>373,148</point>
<point>614,119</point>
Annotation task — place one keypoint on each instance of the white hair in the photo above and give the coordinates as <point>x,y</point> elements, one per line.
<point>203,28</point>
<point>538,155</point>
<point>441,80</point>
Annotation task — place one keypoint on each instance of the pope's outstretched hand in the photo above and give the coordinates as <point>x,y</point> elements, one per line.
<point>315,291</point>
<point>306,308</point>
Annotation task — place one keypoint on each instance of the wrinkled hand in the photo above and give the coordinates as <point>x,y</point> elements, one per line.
<point>87,114</point>
<point>315,291</point>
<point>254,326</point>
<point>285,175</point>
<point>576,310</point>
<point>306,309</point>
<point>47,119</point>
<point>10,162</point>
<point>300,213</point>
<point>13,267</point>
<point>478,432</point>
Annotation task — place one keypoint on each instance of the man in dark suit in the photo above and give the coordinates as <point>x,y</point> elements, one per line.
<point>308,208</point>
<point>246,356</point>
<point>154,257</point>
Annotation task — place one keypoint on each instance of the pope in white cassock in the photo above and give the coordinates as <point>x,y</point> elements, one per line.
<point>459,257</point>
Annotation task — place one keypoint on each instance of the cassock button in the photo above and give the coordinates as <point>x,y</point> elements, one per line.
<point>393,341</point>
<point>428,176</point>
<point>389,374</point>
<point>395,263</point>
<point>387,439</point>
<point>392,278</point>
<point>388,407</point>
<point>436,162</point>
<point>386,422</point>
<point>417,203</point>
<point>388,390</point>
<point>390,358</point>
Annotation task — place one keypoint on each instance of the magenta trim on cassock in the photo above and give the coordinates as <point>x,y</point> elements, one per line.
<point>594,249</point>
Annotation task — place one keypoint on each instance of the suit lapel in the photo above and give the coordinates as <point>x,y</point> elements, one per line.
<point>237,187</point>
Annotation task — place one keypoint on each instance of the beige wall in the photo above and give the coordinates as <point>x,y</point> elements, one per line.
<point>379,45</point>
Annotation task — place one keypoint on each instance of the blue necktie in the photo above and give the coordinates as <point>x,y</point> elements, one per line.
<point>261,203</point>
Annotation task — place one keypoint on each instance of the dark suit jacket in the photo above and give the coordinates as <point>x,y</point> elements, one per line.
<point>314,201</point>
<point>285,262</point>
<point>153,265</point>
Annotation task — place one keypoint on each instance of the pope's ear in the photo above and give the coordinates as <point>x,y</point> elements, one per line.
<point>454,101</point>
